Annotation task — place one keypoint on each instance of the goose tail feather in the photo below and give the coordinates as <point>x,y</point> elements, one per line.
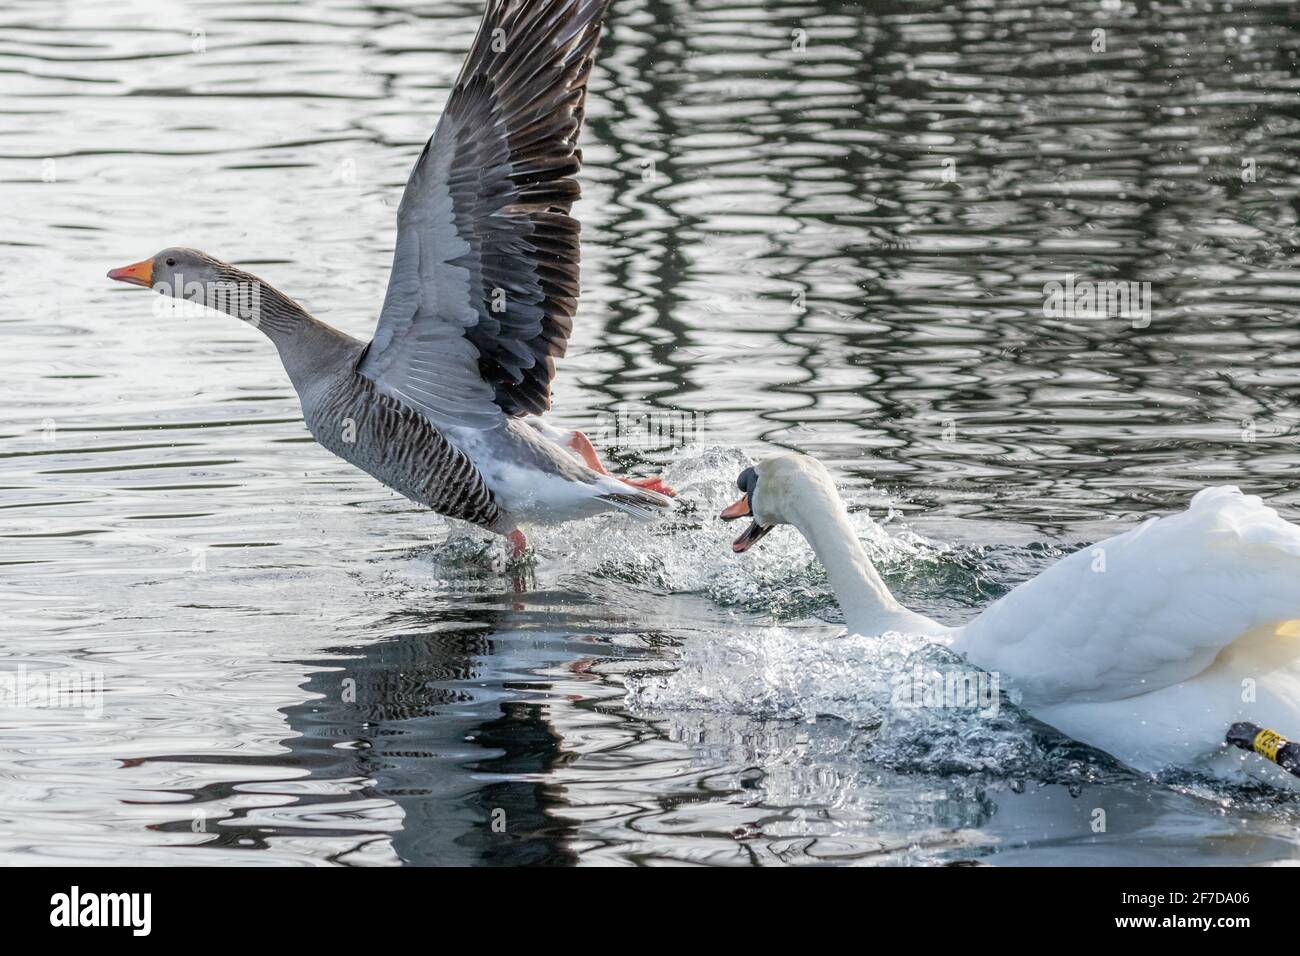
<point>639,503</point>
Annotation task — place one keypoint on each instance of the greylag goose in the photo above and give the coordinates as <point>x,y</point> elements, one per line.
<point>444,404</point>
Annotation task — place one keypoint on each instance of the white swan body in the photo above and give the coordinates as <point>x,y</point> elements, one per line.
<point>1147,645</point>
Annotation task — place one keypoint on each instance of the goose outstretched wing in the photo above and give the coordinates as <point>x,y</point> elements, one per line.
<point>484,284</point>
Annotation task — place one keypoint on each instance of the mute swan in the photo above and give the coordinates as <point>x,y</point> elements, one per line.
<point>442,406</point>
<point>1149,645</point>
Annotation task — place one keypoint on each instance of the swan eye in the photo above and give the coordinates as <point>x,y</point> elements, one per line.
<point>747,480</point>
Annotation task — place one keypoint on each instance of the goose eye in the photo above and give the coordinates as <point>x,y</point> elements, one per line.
<point>171,261</point>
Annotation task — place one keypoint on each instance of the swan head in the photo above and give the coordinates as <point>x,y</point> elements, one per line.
<point>196,277</point>
<point>780,490</point>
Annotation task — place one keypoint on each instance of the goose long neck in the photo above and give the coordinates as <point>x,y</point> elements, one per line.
<point>258,303</point>
<point>307,346</point>
<point>868,606</point>
<point>282,316</point>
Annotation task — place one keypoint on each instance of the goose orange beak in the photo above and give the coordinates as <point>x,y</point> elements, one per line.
<point>137,273</point>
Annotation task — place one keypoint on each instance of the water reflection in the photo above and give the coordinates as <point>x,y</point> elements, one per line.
<point>815,224</point>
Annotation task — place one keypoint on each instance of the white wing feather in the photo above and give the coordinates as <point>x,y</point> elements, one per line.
<point>1147,609</point>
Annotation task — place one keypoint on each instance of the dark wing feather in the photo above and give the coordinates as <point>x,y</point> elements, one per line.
<point>485,274</point>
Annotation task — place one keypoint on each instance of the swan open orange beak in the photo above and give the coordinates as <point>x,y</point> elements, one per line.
<point>739,510</point>
<point>137,273</point>
<point>752,534</point>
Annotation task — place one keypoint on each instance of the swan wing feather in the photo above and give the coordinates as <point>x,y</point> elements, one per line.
<point>1149,608</point>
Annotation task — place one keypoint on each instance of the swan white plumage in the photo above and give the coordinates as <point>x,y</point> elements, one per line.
<point>1147,645</point>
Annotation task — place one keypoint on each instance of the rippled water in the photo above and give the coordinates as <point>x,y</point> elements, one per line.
<point>817,225</point>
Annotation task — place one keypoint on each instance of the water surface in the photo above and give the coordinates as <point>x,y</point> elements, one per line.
<point>814,225</point>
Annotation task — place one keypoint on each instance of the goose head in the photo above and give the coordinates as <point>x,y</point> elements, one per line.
<point>781,490</point>
<point>196,277</point>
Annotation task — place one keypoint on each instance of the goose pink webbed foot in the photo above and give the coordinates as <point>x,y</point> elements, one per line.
<point>581,444</point>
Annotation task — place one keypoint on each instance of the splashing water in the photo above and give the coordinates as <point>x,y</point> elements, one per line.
<point>803,672</point>
<point>810,676</point>
<point>690,551</point>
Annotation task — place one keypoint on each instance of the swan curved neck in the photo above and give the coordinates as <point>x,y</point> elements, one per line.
<point>868,606</point>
